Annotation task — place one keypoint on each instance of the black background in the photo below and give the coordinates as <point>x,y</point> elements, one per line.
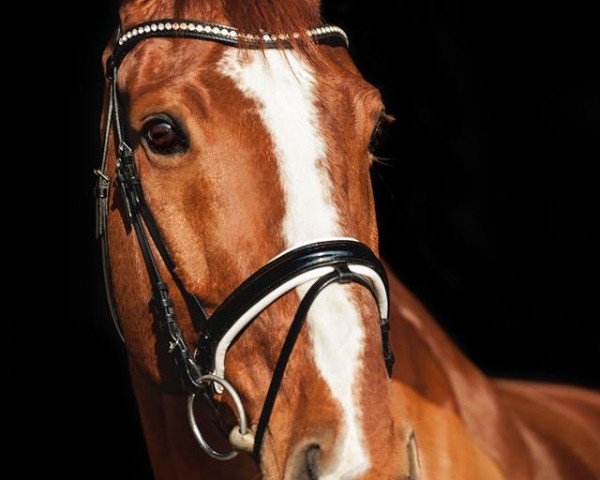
<point>488,207</point>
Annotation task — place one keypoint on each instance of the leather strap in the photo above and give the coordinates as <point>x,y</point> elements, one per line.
<point>101,193</point>
<point>341,275</point>
<point>276,273</point>
<point>224,34</point>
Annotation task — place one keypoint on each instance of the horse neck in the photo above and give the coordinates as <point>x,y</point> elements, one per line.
<point>430,364</point>
<point>427,360</point>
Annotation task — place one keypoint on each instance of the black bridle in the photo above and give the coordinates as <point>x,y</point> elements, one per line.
<point>321,262</point>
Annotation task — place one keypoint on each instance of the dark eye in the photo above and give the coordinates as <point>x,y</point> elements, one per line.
<point>164,136</point>
<point>383,120</point>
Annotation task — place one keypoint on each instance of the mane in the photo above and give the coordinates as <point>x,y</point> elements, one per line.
<point>274,16</point>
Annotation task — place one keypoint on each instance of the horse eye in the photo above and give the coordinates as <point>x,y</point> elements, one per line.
<point>375,140</point>
<point>164,137</point>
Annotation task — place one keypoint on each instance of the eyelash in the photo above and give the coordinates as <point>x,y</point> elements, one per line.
<point>382,122</point>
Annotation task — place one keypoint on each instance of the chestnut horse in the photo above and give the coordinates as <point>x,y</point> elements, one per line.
<point>243,153</point>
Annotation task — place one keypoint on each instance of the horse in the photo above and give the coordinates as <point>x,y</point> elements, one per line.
<point>237,219</point>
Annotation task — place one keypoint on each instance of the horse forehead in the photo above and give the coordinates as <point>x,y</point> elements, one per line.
<point>297,94</point>
<point>192,67</point>
<point>163,61</point>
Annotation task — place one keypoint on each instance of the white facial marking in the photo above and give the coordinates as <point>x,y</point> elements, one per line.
<point>282,85</point>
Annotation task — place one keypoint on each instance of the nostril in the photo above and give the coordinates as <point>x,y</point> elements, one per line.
<point>312,462</point>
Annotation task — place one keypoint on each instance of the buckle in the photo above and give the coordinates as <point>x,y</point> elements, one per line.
<point>102,185</point>
<point>101,191</point>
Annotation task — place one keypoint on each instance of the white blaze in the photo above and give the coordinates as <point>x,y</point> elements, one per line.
<point>282,85</point>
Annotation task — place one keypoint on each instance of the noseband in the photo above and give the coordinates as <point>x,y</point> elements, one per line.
<point>318,264</point>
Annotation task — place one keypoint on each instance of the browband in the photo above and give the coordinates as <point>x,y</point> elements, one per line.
<point>169,28</point>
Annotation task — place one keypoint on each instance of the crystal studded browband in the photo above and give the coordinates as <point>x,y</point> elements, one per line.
<point>322,34</point>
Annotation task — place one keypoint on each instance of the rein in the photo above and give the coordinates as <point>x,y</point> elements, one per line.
<point>323,263</point>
